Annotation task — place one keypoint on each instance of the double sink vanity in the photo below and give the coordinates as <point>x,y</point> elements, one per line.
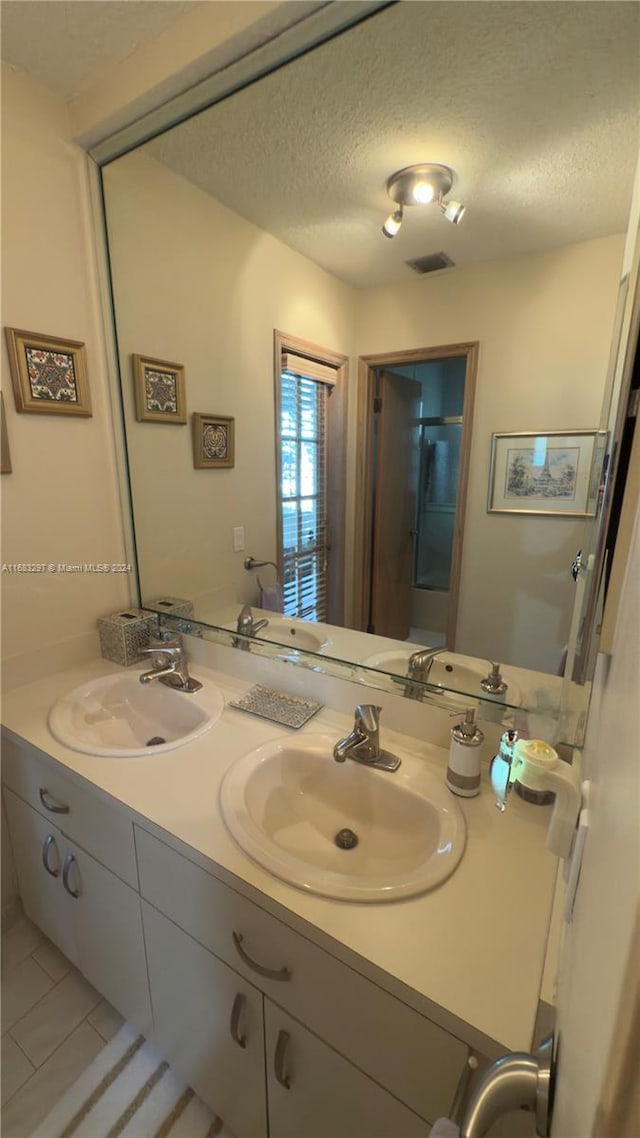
<point>184,855</point>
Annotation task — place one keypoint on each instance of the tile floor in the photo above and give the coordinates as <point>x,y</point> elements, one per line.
<point>53,1026</point>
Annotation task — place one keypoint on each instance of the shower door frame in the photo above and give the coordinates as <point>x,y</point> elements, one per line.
<point>365,470</point>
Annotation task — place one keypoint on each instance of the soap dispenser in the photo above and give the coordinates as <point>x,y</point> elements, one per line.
<point>463,771</point>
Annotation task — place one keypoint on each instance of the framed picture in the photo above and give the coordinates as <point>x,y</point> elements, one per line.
<point>49,375</point>
<point>159,391</point>
<point>551,473</point>
<point>5,457</point>
<point>213,441</point>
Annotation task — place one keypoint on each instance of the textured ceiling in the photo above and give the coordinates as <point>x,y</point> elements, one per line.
<point>69,45</point>
<point>534,105</point>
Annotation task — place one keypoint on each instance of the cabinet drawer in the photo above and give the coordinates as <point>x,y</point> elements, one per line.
<point>315,1092</point>
<point>412,1057</point>
<point>97,827</point>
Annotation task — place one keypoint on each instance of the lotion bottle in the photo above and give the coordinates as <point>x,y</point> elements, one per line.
<point>463,771</point>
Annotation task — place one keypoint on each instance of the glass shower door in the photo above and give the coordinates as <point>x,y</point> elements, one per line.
<point>440,441</point>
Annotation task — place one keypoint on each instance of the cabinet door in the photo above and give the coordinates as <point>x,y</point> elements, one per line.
<point>315,1093</point>
<point>39,850</point>
<point>109,937</point>
<point>208,1022</point>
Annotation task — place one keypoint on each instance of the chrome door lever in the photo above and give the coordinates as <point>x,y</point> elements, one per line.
<point>512,1082</point>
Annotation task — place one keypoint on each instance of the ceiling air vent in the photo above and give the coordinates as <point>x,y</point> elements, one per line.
<point>431,263</point>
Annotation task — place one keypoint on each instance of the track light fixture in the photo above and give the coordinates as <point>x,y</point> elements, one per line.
<point>421,185</point>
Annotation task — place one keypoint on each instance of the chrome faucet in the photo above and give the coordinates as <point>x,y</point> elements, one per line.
<point>247,626</point>
<point>169,666</point>
<point>418,670</point>
<point>363,743</point>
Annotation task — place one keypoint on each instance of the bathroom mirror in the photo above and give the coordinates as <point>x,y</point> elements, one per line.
<point>252,233</point>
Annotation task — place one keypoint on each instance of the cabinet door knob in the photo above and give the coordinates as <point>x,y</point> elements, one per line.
<point>269,973</point>
<point>234,1024</point>
<point>279,1068</point>
<point>50,804</point>
<point>66,870</point>
<point>49,841</point>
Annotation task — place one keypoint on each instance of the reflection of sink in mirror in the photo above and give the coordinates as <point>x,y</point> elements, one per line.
<point>301,634</point>
<point>116,715</point>
<point>448,670</point>
<point>286,802</point>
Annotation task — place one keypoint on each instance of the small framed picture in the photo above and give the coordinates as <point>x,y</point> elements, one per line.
<point>548,473</point>
<point>5,457</point>
<point>213,441</point>
<point>49,375</point>
<point>159,391</point>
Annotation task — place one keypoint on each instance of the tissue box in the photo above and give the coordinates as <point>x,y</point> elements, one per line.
<point>124,634</point>
<point>172,606</point>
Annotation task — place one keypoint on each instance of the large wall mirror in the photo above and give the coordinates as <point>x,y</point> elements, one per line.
<point>409,429</point>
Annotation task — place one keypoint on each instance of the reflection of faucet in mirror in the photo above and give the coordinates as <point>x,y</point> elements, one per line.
<point>169,661</point>
<point>362,744</point>
<point>420,663</point>
<point>247,626</point>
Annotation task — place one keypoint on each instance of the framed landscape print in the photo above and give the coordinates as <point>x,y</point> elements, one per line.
<point>213,441</point>
<point>159,391</point>
<point>542,473</point>
<point>49,375</point>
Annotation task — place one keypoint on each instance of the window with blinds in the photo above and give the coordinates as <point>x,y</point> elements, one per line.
<point>302,485</point>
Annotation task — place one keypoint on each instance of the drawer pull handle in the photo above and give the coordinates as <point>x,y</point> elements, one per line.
<point>49,841</point>
<point>234,1024</point>
<point>50,804</point>
<point>279,1060</point>
<point>66,870</point>
<point>283,973</point>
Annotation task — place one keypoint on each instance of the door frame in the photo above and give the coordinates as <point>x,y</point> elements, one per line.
<point>364,472</point>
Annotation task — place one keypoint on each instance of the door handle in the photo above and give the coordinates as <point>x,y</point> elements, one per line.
<point>279,1066</point>
<point>49,841</point>
<point>512,1082</point>
<point>66,870</point>
<point>270,973</point>
<point>50,804</point>
<point>234,1023</point>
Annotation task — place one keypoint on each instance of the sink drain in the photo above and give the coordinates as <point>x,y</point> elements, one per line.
<point>155,741</point>
<point>346,840</point>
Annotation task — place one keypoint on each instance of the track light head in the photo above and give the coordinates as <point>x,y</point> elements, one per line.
<point>393,223</point>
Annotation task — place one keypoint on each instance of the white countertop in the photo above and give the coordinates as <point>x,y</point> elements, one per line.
<point>470,952</point>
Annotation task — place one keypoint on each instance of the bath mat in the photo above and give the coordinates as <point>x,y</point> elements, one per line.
<point>129,1091</point>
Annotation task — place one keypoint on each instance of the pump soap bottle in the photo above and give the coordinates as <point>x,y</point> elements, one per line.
<point>463,771</point>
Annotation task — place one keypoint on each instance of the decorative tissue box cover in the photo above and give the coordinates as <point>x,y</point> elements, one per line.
<point>173,606</point>
<point>123,635</point>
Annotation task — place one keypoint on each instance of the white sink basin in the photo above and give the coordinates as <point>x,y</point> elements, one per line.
<point>285,802</point>
<point>300,634</point>
<point>117,716</point>
<point>449,671</point>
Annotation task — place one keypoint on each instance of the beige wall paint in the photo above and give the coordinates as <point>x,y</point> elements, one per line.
<point>544,324</point>
<point>198,285</point>
<point>61,502</point>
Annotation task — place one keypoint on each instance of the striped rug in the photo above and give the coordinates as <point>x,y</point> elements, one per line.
<point>129,1091</point>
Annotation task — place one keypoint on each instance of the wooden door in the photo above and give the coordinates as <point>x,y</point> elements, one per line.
<point>395,484</point>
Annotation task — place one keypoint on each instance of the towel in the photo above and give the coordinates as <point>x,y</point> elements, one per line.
<point>444,1128</point>
<point>271,598</point>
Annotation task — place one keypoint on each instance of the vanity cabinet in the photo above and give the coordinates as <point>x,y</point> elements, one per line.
<point>209,1024</point>
<point>377,1044</point>
<point>91,914</point>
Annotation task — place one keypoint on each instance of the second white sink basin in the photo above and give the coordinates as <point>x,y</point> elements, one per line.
<point>286,802</point>
<point>118,716</point>
<point>457,676</point>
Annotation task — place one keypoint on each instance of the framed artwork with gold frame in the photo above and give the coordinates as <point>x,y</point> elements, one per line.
<point>49,374</point>
<point>159,391</point>
<point>213,441</point>
<point>5,457</point>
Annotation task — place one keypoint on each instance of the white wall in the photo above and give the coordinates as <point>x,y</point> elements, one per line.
<point>198,285</point>
<point>61,502</point>
<point>544,324</point>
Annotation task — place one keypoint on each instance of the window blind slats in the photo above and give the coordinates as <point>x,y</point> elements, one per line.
<point>302,492</point>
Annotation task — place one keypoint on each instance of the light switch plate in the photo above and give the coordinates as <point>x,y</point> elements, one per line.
<point>238,539</point>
